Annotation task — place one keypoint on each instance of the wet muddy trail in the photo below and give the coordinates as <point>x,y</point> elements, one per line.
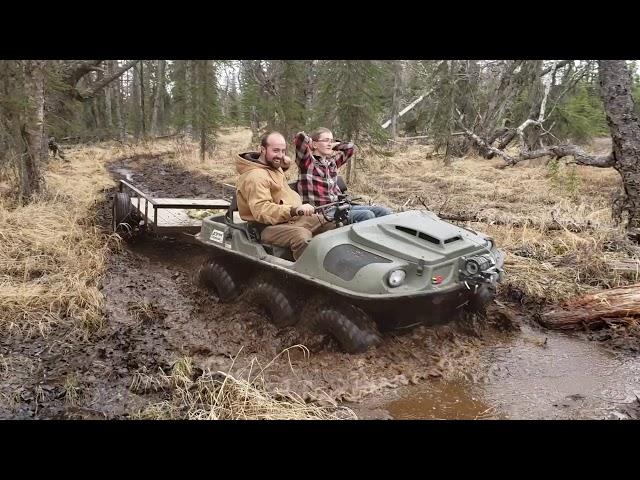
<point>155,313</point>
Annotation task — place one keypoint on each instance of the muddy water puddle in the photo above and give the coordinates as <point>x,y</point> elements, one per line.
<point>531,375</point>
<point>442,400</point>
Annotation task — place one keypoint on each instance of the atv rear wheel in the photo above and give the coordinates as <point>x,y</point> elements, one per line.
<point>276,303</point>
<point>215,276</point>
<point>350,326</point>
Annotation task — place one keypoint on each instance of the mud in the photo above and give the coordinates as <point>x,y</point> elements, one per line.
<point>533,375</point>
<point>155,313</point>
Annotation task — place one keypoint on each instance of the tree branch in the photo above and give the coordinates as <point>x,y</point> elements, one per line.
<point>559,151</point>
<point>479,141</point>
<point>547,88</point>
<point>477,217</point>
<point>555,66</point>
<point>76,70</point>
<point>407,108</point>
<point>94,88</point>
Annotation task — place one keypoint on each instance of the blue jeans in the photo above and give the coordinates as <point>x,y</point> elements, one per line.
<point>360,213</point>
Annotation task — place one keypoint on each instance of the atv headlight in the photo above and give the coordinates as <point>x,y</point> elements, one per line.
<point>396,278</point>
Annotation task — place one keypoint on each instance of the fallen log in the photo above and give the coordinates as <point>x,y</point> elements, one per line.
<point>171,135</point>
<point>555,226</point>
<point>620,305</point>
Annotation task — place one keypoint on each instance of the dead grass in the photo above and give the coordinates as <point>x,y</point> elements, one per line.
<point>53,252</point>
<point>243,395</point>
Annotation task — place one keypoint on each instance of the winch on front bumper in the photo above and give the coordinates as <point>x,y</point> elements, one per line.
<point>483,269</point>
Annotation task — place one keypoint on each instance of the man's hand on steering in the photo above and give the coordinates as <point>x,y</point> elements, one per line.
<point>304,209</point>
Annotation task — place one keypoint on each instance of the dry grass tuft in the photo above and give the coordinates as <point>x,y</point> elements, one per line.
<point>244,395</point>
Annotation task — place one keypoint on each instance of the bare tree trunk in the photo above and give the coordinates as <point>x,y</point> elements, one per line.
<point>504,91</point>
<point>225,99</point>
<point>395,101</point>
<point>348,170</point>
<point>92,88</point>
<point>135,97</point>
<point>310,86</point>
<point>532,139</point>
<point>32,129</point>
<point>163,97</point>
<point>156,128</point>
<point>107,102</point>
<point>180,97</point>
<point>351,163</point>
<point>97,106</point>
<point>95,109</point>
<point>202,80</point>
<point>351,169</point>
<point>142,93</point>
<point>616,91</point>
<point>407,108</point>
<point>117,100</point>
<point>190,98</point>
<point>255,124</point>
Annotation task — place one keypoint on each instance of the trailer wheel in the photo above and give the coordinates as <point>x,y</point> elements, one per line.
<point>215,276</point>
<point>122,212</point>
<point>277,305</point>
<point>354,330</point>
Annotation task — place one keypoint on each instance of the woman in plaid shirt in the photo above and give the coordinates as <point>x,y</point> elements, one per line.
<point>319,157</point>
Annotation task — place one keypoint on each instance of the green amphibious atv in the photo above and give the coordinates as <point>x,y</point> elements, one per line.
<point>353,282</point>
<point>388,273</point>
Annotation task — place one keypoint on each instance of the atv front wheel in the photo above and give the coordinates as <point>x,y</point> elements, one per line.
<point>353,328</point>
<point>275,302</point>
<point>215,276</point>
<point>483,297</point>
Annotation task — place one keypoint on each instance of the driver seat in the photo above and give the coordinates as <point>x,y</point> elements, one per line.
<point>252,231</point>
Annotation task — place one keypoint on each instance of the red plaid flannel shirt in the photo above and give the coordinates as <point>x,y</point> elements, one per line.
<point>317,177</point>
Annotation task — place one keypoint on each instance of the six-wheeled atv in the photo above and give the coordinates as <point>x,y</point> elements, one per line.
<point>353,282</point>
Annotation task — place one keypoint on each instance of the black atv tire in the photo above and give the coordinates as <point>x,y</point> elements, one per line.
<point>122,211</point>
<point>275,302</point>
<point>215,276</point>
<point>483,297</point>
<point>350,326</point>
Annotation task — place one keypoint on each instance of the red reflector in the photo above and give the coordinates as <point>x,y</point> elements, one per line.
<point>437,279</point>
